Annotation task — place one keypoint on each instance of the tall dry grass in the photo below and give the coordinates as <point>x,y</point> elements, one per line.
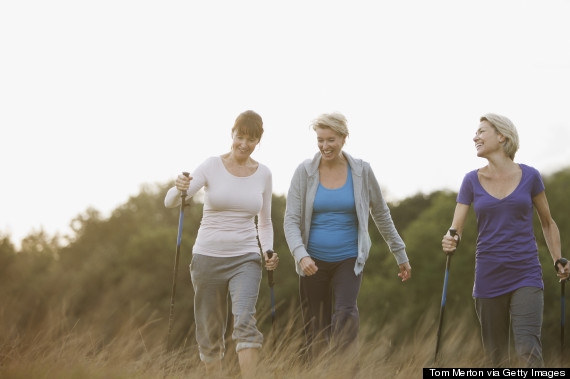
<point>58,348</point>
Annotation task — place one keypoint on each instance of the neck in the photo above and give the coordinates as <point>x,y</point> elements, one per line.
<point>238,161</point>
<point>337,161</point>
<point>500,163</point>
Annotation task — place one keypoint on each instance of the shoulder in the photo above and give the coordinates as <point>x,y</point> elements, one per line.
<point>529,169</point>
<point>532,175</point>
<point>210,162</point>
<point>472,174</point>
<point>470,178</point>
<point>358,165</point>
<point>263,169</point>
<point>302,173</point>
<point>214,160</point>
<point>308,166</point>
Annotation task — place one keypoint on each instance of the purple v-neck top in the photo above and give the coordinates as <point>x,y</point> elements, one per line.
<point>507,255</point>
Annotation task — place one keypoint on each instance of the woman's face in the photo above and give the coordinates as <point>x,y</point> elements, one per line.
<point>330,143</point>
<point>243,145</point>
<point>487,139</point>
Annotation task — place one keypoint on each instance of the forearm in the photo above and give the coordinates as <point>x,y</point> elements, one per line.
<point>380,213</point>
<point>449,243</point>
<point>292,229</point>
<point>264,223</point>
<point>552,238</point>
<point>293,216</point>
<point>173,198</point>
<point>549,227</point>
<point>459,217</point>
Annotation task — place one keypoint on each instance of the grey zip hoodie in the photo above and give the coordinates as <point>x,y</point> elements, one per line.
<point>368,200</point>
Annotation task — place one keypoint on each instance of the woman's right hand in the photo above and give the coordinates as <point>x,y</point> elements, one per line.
<point>183,182</point>
<point>449,243</point>
<point>308,266</point>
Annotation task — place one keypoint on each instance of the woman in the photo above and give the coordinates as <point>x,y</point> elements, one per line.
<point>225,256</point>
<point>326,227</point>
<point>508,277</point>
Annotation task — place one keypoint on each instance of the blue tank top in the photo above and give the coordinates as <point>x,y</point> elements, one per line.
<point>334,225</point>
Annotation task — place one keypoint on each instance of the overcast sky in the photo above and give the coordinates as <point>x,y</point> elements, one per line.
<point>100,97</point>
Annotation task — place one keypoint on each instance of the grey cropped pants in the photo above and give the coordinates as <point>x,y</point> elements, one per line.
<point>522,309</point>
<point>213,279</point>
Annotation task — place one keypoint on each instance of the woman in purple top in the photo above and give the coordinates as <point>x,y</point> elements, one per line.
<point>508,286</point>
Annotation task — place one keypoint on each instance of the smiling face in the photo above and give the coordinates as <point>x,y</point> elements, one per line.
<point>488,140</point>
<point>243,145</point>
<point>330,143</point>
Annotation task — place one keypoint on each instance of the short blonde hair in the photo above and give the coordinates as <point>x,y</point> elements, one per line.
<point>505,127</point>
<point>334,121</point>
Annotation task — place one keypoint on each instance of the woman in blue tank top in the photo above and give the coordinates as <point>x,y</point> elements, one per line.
<point>508,288</point>
<point>326,226</point>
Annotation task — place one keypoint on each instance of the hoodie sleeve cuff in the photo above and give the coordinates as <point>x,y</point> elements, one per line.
<point>401,256</point>
<point>300,253</point>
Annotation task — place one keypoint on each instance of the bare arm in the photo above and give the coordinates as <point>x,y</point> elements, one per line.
<point>550,231</point>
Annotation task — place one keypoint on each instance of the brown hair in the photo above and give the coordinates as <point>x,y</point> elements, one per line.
<point>249,123</point>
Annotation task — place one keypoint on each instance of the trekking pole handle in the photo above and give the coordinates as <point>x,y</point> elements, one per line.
<point>453,233</point>
<point>270,272</point>
<point>563,262</point>
<point>184,193</point>
<point>186,174</point>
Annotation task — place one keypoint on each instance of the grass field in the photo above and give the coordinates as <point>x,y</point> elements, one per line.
<point>60,349</point>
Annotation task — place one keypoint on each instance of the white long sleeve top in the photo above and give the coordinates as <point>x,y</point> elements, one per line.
<point>231,203</point>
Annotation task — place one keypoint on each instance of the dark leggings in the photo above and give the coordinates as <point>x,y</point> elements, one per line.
<point>334,286</point>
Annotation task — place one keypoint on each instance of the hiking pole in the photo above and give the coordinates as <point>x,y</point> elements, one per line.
<point>453,233</point>
<point>176,259</point>
<point>271,283</point>
<point>562,315</point>
<point>563,262</point>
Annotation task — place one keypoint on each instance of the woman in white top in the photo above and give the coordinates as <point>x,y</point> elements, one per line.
<point>226,257</point>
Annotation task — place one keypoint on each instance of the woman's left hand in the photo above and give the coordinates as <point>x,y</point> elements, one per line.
<point>271,264</point>
<point>405,271</point>
<point>563,271</point>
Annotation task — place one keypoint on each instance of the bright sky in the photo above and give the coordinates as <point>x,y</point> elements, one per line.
<point>100,97</point>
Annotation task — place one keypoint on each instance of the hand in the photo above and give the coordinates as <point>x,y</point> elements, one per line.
<point>449,243</point>
<point>563,272</point>
<point>308,266</point>
<point>183,183</point>
<point>271,264</point>
<point>405,271</point>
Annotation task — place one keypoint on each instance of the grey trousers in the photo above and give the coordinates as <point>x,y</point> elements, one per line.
<point>522,309</point>
<point>214,278</point>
